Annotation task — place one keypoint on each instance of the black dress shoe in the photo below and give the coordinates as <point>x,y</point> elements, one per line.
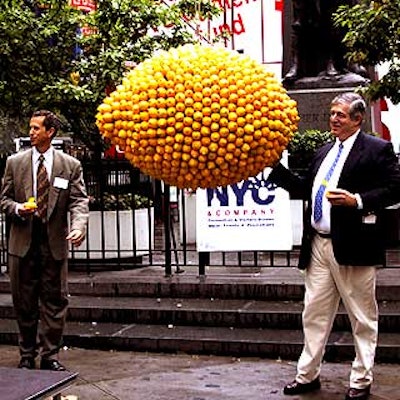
<point>51,365</point>
<point>358,394</point>
<point>299,388</point>
<point>26,363</point>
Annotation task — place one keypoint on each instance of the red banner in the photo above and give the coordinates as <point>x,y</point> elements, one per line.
<point>279,5</point>
<point>84,5</point>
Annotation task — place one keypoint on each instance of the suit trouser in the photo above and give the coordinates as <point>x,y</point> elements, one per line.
<point>326,282</point>
<point>39,291</point>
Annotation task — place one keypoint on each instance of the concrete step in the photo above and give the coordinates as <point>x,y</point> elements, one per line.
<point>206,290</point>
<point>256,314</point>
<point>253,283</point>
<point>222,283</point>
<point>255,286</point>
<point>235,342</point>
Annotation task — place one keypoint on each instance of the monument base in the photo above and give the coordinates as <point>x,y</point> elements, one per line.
<point>314,95</point>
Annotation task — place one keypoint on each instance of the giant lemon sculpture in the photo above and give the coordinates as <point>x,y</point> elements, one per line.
<point>199,116</point>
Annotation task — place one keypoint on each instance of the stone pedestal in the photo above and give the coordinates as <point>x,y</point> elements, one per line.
<point>314,95</point>
<point>314,85</point>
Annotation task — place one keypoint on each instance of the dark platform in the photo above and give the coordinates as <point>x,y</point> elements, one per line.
<point>23,384</point>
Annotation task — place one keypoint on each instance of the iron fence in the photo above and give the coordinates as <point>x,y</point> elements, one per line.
<point>136,221</point>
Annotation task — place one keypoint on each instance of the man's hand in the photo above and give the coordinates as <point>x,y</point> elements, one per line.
<point>26,209</point>
<point>341,197</point>
<point>76,237</point>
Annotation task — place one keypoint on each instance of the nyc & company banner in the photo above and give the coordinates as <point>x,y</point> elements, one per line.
<point>250,215</point>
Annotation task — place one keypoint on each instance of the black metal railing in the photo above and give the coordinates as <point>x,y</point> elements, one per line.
<point>137,222</point>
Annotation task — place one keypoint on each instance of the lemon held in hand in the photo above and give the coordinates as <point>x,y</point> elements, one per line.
<point>30,204</point>
<point>334,192</point>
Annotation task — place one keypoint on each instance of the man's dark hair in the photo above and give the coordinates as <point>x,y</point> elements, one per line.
<point>50,120</point>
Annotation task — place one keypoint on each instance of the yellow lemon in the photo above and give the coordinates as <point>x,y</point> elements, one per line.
<point>30,204</point>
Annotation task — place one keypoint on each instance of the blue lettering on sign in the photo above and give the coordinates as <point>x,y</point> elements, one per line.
<point>252,185</point>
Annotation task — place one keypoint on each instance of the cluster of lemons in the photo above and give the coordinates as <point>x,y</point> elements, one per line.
<point>199,116</point>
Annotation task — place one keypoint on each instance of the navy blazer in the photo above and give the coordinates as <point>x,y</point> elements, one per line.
<point>371,170</point>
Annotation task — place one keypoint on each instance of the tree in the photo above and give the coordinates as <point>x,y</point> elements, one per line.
<point>46,61</point>
<point>34,53</point>
<point>373,37</point>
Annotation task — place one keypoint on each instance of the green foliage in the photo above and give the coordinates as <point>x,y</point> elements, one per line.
<point>303,146</point>
<point>373,37</point>
<point>35,51</point>
<point>40,68</point>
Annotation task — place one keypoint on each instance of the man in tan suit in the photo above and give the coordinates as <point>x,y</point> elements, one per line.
<point>39,237</point>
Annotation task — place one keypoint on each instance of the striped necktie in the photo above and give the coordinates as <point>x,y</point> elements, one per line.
<point>321,190</point>
<point>42,191</point>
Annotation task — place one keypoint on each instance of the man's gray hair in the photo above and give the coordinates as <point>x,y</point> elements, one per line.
<point>356,102</point>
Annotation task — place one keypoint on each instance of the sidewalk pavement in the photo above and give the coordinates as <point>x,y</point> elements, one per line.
<point>114,375</point>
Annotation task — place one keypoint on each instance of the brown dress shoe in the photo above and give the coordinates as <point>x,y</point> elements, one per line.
<point>299,388</point>
<point>26,363</point>
<point>358,394</point>
<point>51,365</point>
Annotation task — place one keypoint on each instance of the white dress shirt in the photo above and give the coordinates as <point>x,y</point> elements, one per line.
<point>324,224</point>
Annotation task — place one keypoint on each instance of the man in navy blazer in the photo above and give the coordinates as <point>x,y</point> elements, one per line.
<point>348,184</point>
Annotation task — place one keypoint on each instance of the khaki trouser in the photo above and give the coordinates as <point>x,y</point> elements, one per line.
<point>327,282</point>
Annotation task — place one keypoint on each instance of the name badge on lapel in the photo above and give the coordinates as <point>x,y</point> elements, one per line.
<point>60,183</point>
<point>369,219</point>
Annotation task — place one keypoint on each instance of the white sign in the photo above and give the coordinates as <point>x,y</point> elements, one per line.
<point>248,216</point>
<point>253,27</point>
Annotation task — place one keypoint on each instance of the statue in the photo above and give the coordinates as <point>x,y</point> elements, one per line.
<point>316,45</point>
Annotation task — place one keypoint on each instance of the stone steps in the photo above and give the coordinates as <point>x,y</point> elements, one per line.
<point>235,342</point>
<point>283,284</point>
<point>255,314</point>
<point>247,313</point>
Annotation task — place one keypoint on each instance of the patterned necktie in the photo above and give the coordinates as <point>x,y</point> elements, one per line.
<point>42,191</point>
<point>321,190</point>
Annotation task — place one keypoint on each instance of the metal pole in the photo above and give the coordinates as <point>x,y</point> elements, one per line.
<point>167,228</point>
<point>204,259</point>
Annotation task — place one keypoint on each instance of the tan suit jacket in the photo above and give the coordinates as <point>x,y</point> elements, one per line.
<point>18,187</point>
